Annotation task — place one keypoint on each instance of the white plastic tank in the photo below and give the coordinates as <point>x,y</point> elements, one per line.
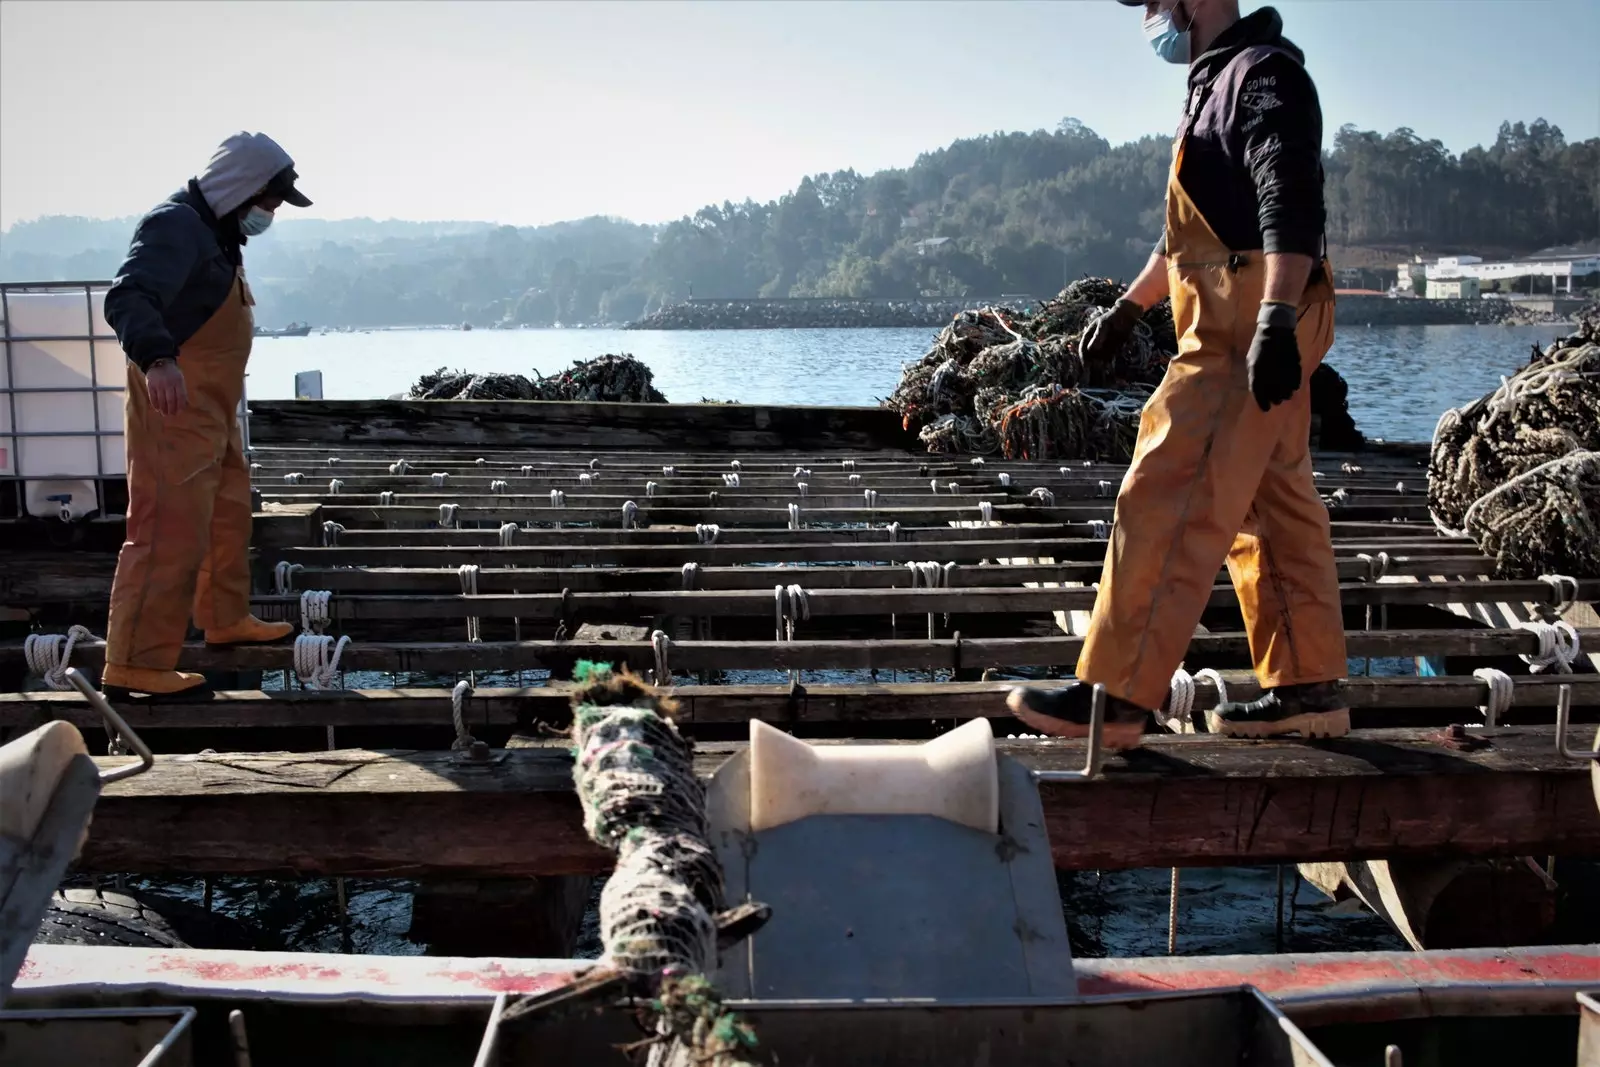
<point>61,377</point>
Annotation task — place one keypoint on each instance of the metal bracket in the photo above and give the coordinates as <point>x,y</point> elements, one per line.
<point>1563,721</point>
<point>1091,762</point>
<point>116,726</point>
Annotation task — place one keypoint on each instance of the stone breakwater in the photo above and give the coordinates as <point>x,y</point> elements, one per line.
<point>804,314</point>
<point>1363,310</point>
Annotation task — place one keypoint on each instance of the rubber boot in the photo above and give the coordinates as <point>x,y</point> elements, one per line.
<point>1064,712</point>
<point>144,683</point>
<point>249,631</point>
<point>1316,709</point>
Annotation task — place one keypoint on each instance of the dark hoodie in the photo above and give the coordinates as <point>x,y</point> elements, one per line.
<point>1253,160</point>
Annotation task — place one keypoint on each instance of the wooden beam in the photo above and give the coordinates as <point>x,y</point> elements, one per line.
<point>1180,801</point>
<point>949,654</point>
<point>530,425</point>
<point>1445,699</point>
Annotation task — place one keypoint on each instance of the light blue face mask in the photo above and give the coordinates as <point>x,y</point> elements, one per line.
<point>1169,42</point>
<point>255,221</point>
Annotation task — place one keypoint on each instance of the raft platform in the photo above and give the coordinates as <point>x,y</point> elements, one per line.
<point>498,543</point>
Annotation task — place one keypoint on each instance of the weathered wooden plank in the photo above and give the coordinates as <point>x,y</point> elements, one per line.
<point>947,654</point>
<point>604,427</point>
<point>1455,699</point>
<point>1179,801</point>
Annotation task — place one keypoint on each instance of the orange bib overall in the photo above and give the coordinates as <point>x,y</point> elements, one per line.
<point>188,540</point>
<point>1215,478</point>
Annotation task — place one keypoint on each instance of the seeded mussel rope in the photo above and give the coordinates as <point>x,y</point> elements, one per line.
<point>635,780</point>
<point>1518,470</point>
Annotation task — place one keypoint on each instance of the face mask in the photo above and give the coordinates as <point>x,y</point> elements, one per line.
<point>255,221</point>
<point>1169,42</point>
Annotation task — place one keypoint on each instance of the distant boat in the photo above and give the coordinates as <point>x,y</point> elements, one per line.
<point>466,326</point>
<point>294,329</point>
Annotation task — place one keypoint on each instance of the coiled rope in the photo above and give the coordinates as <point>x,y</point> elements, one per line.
<point>468,573</point>
<point>449,516</point>
<point>440,478</point>
<point>871,497</point>
<point>335,486</point>
<point>707,533</point>
<point>330,534</point>
<point>630,513</point>
<point>50,655</point>
<point>794,516</point>
<point>986,512</point>
<point>804,488</point>
<point>730,480</point>
<point>1181,693</point>
<point>399,466</point>
<point>1044,496</point>
<point>1558,645</point>
<point>292,478</point>
<point>499,487</point>
<point>283,573</point>
<point>1005,478</point>
<point>1500,688</point>
<point>386,498</point>
<point>316,659</point>
<point>649,489</point>
<point>661,645</point>
<point>802,472</point>
<point>508,534</point>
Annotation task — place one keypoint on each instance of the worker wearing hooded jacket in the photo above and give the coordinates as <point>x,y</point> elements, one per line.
<point>181,309</point>
<point>1221,470</point>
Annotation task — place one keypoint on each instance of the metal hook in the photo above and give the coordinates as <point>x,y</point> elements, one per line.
<point>1091,762</point>
<point>116,725</point>
<point>1563,721</point>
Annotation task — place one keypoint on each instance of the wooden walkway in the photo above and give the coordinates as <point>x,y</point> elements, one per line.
<point>842,560</point>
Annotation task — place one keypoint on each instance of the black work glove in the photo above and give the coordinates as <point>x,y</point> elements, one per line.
<point>1108,332</point>
<point>1274,357</point>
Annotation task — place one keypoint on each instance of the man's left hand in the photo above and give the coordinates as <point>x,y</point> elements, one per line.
<point>1274,357</point>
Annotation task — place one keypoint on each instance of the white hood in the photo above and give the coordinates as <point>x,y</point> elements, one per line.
<point>241,168</point>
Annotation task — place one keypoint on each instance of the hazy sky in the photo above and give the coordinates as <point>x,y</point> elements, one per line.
<point>528,113</point>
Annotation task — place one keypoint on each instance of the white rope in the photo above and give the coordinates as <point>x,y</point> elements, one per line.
<point>399,466</point>
<point>1377,565</point>
<point>499,487</point>
<point>934,485</point>
<point>334,486</point>
<point>508,534</point>
<point>1400,487</point>
<point>1500,688</point>
<point>669,472</point>
<point>1100,529</point>
<point>871,497</point>
<point>293,478</point>
<point>630,513</point>
<point>1566,591</point>
<point>440,478</point>
<point>791,604</point>
<point>1102,488</point>
<point>480,461</point>
<point>802,472</point>
<point>730,480</point>
<point>661,645</point>
<point>794,516</point>
<point>1558,645</point>
<point>977,461</point>
<point>1045,496</point>
<point>736,465</point>
<point>804,487</point>
<point>1339,497</point>
<point>1065,471</point>
<point>49,655</point>
<point>283,577</point>
<point>1349,468</point>
<point>1180,698</point>
<point>954,487</point>
<point>848,464</point>
<point>458,696</point>
<point>527,470</point>
<point>255,469</point>
<point>1005,479</point>
<point>316,659</point>
<point>594,464</point>
<point>333,461</point>
<point>854,479</point>
<point>314,615</point>
<point>894,532</point>
<point>1215,678</point>
<point>649,489</point>
<point>468,573</point>
<point>330,534</point>
<point>448,514</point>
<point>986,510</point>
<point>558,499</point>
<point>386,498</point>
<point>691,575</point>
<point>707,532</point>
<point>585,478</point>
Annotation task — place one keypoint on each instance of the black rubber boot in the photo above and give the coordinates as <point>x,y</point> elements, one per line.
<point>1064,712</point>
<point>1316,709</point>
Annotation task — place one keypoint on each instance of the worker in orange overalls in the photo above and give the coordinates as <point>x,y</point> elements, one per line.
<point>1221,471</point>
<point>180,306</point>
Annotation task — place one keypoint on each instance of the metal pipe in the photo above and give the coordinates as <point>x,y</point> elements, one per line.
<point>1091,761</point>
<point>116,727</point>
<point>1563,721</point>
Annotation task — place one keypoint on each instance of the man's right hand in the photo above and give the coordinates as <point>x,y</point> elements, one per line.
<point>164,382</point>
<point>1106,334</point>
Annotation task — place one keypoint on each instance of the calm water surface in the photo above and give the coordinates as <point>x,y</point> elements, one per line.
<point>1401,377</point>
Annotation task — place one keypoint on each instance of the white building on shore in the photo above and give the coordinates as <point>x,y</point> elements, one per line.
<point>1582,267</point>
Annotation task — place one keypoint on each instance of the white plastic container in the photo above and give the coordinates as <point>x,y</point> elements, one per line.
<point>62,380</point>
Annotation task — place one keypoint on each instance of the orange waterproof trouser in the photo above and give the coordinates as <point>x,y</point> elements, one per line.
<point>188,538</point>
<point>1215,478</point>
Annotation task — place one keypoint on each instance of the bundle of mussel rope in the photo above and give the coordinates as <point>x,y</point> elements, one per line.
<point>613,378</point>
<point>658,911</point>
<point>1518,470</point>
<point>998,381</point>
